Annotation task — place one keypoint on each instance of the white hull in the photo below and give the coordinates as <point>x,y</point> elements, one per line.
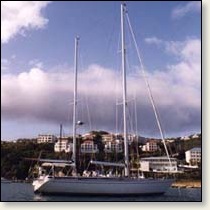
<point>101,186</point>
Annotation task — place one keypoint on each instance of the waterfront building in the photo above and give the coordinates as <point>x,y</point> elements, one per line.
<point>113,146</point>
<point>88,147</point>
<point>158,164</point>
<point>150,146</point>
<point>63,144</point>
<point>193,156</point>
<point>88,136</point>
<point>108,137</point>
<point>111,143</point>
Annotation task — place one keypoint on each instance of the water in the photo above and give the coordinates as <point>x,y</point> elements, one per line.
<point>24,192</point>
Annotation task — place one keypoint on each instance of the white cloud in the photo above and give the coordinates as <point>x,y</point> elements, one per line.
<point>187,50</point>
<point>153,40</point>
<point>46,96</point>
<point>191,7</point>
<point>187,72</point>
<point>19,16</point>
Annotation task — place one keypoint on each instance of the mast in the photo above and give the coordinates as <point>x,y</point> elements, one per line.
<point>60,137</point>
<point>123,11</point>
<point>75,99</point>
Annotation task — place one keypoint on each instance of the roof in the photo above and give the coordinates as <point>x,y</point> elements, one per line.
<point>88,141</point>
<point>152,141</point>
<point>195,149</point>
<point>158,158</point>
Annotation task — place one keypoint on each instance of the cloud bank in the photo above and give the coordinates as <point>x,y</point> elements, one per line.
<point>47,97</point>
<point>19,16</point>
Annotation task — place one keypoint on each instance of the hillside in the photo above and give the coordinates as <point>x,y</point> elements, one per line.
<point>13,154</point>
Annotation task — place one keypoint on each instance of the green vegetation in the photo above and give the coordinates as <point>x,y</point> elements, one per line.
<point>13,162</point>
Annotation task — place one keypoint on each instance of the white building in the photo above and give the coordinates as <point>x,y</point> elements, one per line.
<point>89,147</point>
<point>46,138</point>
<point>88,136</point>
<point>132,138</point>
<point>185,138</point>
<point>118,136</point>
<point>160,164</point>
<point>150,146</point>
<point>112,143</point>
<point>113,146</point>
<point>63,144</point>
<point>107,137</point>
<point>193,156</point>
<point>195,136</point>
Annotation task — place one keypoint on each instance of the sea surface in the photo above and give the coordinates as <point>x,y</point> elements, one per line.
<point>24,192</point>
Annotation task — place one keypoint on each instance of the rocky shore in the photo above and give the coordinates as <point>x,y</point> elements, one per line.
<point>187,184</point>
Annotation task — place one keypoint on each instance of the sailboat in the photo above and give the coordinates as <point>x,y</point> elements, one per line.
<point>98,185</point>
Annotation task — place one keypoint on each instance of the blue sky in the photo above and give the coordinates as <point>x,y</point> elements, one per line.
<point>37,44</point>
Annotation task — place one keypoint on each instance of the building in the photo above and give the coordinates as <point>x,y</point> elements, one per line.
<point>113,146</point>
<point>88,147</point>
<point>46,138</point>
<point>88,136</point>
<point>112,143</point>
<point>107,137</point>
<point>63,145</point>
<point>185,138</point>
<point>158,164</point>
<point>195,136</point>
<point>132,138</point>
<point>193,156</point>
<point>150,146</point>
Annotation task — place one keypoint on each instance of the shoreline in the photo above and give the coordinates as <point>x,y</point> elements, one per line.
<point>187,184</point>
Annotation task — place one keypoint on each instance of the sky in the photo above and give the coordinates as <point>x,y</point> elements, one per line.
<point>37,67</point>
